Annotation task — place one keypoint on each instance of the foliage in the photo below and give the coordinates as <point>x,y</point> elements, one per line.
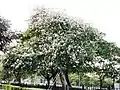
<point>6,37</point>
<point>106,60</point>
<point>15,64</point>
<point>55,42</point>
<point>11,87</point>
<point>60,40</point>
<point>6,34</point>
<point>87,79</point>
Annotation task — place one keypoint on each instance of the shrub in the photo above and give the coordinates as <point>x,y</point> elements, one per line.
<point>11,87</point>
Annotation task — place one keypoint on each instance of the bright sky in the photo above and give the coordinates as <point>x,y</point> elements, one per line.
<point>103,14</point>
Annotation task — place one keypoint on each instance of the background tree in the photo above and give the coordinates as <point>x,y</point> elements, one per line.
<point>106,55</point>
<point>105,68</point>
<point>15,64</point>
<point>6,37</point>
<point>114,72</point>
<point>6,34</point>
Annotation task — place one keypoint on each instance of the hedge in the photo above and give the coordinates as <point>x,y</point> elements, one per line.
<point>11,87</point>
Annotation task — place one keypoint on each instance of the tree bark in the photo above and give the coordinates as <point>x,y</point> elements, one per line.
<point>113,83</point>
<point>67,79</point>
<point>63,81</point>
<point>48,83</point>
<point>18,78</point>
<point>100,84</point>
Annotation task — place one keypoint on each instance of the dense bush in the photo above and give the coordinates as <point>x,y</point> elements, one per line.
<point>11,87</point>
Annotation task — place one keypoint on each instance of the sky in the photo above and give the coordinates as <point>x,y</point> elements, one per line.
<point>102,14</point>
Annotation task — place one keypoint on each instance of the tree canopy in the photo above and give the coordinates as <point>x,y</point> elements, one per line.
<point>55,42</point>
<point>61,40</point>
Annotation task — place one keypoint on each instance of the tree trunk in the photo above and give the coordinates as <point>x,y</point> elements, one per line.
<point>48,83</point>
<point>18,79</point>
<point>100,84</point>
<point>67,79</point>
<point>63,81</point>
<point>113,83</point>
<point>55,82</point>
